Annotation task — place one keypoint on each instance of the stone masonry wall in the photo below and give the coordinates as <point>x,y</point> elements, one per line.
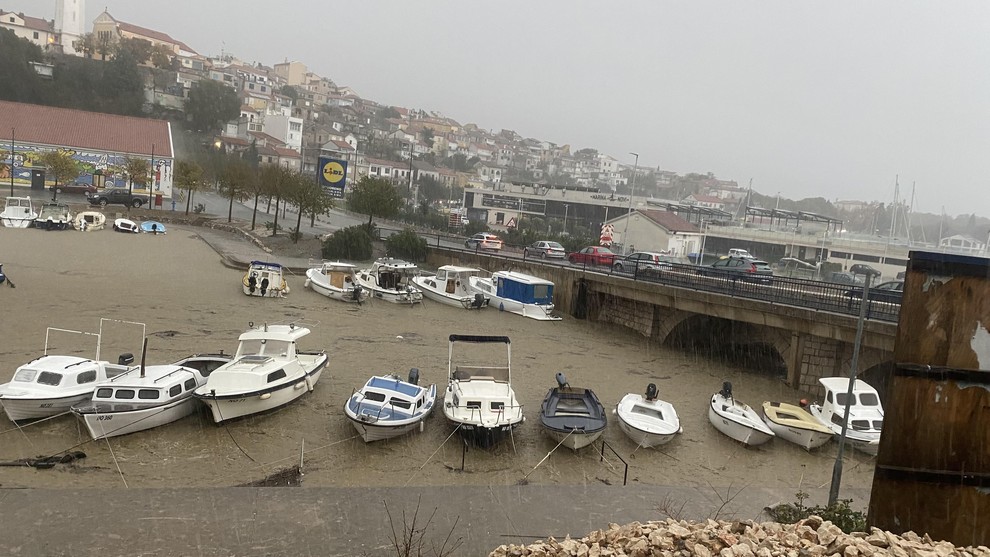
<point>630,314</point>
<point>820,359</point>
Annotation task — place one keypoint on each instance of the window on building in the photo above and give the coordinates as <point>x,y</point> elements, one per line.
<point>36,35</point>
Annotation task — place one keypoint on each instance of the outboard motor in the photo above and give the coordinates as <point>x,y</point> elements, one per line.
<point>414,375</point>
<point>264,286</point>
<point>125,359</point>
<point>252,283</point>
<point>356,293</point>
<point>651,392</point>
<point>561,380</point>
<point>726,389</point>
<point>479,301</point>
<point>2,276</point>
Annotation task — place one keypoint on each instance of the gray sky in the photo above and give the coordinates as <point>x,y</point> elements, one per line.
<point>830,99</point>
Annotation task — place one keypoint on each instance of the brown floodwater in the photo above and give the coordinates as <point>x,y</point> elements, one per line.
<point>176,285</point>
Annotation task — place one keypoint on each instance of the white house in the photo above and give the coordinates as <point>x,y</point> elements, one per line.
<point>36,30</point>
<point>655,230</point>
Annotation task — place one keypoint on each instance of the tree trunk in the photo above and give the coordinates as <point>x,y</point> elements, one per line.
<point>230,207</point>
<point>295,238</point>
<point>188,200</point>
<point>275,226</point>
<point>254,214</point>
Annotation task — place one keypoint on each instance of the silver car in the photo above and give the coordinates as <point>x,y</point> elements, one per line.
<point>545,249</point>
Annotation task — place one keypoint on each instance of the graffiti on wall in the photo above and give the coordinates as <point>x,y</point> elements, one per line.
<point>110,169</point>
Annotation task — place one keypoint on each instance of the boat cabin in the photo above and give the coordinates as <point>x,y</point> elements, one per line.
<point>265,275</point>
<point>339,275</point>
<point>56,373</point>
<point>452,279</point>
<point>523,288</point>
<point>160,386</point>
<point>388,398</point>
<point>18,208</point>
<point>865,410</point>
<point>392,274</point>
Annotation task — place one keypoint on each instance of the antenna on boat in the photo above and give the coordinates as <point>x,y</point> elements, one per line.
<point>144,353</point>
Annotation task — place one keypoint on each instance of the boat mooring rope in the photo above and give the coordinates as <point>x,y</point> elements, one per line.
<point>526,477</point>
<point>418,470</point>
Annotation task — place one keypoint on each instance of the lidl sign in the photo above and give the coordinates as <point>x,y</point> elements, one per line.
<point>333,176</point>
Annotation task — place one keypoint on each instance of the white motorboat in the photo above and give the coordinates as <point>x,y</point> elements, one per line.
<point>265,279</point>
<point>126,225</point>
<point>865,412</point>
<point>54,216</point>
<point>18,213</point>
<point>146,396</point>
<point>391,280</point>
<point>517,293</point>
<point>337,281</point>
<point>646,419</point>
<point>574,417</point>
<point>479,399</point>
<point>89,221</point>
<point>52,384</point>
<point>737,420</point>
<point>793,423</point>
<point>387,406</point>
<point>267,372</point>
<point>451,286</point>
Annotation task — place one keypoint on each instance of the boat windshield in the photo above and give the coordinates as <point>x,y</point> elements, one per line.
<point>264,347</point>
<point>25,375</point>
<point>869,399</point>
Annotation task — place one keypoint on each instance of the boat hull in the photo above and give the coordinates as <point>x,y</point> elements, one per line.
<point>533,311</point>
<point>644,439</point>
<point>34,408</point>
<point>323,288</point>
<point>89,221</point>
<point>403,297</point>
<point>113,424</point>
<point>232,406</point>
<point>868,443</point>
<point>744,433</point>
<point>574,440</point>
<point>804,438</point>
<point>481,436</point>
<point>466,302</point>
<point>647,430</point>
<point>16,222</point>
<point>379,432</point>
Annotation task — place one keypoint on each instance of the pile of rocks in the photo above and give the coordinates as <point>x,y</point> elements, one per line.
<point>811,537</point>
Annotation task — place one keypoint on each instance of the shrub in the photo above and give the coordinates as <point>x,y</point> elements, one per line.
<point>841,513</point>
<point>474,227</point>
<point>407,245</point>
<point>351,243</point>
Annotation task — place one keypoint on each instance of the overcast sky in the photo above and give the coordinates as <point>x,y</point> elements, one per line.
<point>830,99</point>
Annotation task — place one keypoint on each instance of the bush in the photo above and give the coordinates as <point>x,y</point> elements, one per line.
<point>407,245</point>
<point>841,513</point>
<point>351,243</point>
<point>474,227</point>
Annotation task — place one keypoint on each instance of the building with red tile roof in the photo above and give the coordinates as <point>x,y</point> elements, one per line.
<point>105,25</point>
<point>35,29</point>
<point>99,142</point>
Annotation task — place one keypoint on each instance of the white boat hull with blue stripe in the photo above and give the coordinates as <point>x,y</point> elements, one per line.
<point>388,407</point>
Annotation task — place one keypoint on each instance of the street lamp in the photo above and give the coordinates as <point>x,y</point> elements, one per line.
<point>565,217</point>
<point>632,192</point>
<point>12,162</point>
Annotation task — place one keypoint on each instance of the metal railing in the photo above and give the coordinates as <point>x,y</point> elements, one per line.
<point>625,471</point>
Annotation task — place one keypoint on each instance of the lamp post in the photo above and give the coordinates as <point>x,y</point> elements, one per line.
<point>632,192</point>
<point>566,206</point>
<point>12,162</point>
<point>833,490</point>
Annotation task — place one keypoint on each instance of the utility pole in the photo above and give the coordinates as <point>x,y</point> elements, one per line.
<point>632,192</point>
<point>12,162</point>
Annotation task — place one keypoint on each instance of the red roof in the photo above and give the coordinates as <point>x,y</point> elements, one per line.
<point>669,220</point>
<point>267,138</point>
<point>342,145</point>
<point>151,33</point>
<point>33,22</point>
<point>706,199</point>
<point>94,131</point>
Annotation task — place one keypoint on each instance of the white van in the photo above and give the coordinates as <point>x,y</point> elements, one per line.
<point>739,252</point>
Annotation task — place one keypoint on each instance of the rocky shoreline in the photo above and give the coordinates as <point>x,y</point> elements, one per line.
<point>810,537</point>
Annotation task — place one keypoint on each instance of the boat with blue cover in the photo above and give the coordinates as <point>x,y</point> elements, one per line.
<point>517,293</point>
<point>388,407</point>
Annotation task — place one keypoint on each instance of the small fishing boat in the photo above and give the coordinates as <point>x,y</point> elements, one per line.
<point>265,279</point>
<point>573,417</point>
<point>793,423</point>
<point>18,213</point>
<point>146,396</point>
<point>517,293</point>
<point>646,419</point>
<point>391,280</point>
<point>865,412</point>
<point>89,221</point>
<point>126,225</point>
<point>267,372</point>
<point>153,227</point>
<point>737,420</point>
<point>337,281</point>
<point>54,216</point>
<point>479,399</point>
<point>451,286</point>
<point>387,406</point>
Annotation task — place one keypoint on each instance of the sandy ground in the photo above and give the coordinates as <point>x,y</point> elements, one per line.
<point>191,303</point>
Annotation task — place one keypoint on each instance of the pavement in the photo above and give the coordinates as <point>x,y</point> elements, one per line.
<point>348,521</point>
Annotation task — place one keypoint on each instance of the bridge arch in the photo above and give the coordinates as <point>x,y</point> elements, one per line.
<point>760,349</point>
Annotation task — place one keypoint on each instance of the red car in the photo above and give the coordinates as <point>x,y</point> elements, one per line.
<point>593,255</point>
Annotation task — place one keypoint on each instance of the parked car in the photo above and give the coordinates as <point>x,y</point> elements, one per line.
<point>483,240</point>
<point>844,277</point>
<point>891,292</point>
<point>116,196</point>
<point>753,270</point>
<point>76,187</point>
<point>593,255</point>
<point>545,249</point>
<point>739,252</point>
<point>643,261</point>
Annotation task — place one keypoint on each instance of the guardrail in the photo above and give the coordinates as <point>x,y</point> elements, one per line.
<point>798,292</point>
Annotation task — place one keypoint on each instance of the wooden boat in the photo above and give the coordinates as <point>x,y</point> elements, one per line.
<point>479,400</point>
<point>54,216</point>
<point>89,221</point>
<point>336,281</point>
<point>517,293</point>
<point>574,417</point>
<point>865,412</point>
<point>391,280</point>
<point>737,420</point>
<point>793,423</point>
<point>387,406</point>
<point>18,213</point>
<point>267,372</point>
<point>646,419</point>
<point>451,286</point>
<point>265,279</point>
